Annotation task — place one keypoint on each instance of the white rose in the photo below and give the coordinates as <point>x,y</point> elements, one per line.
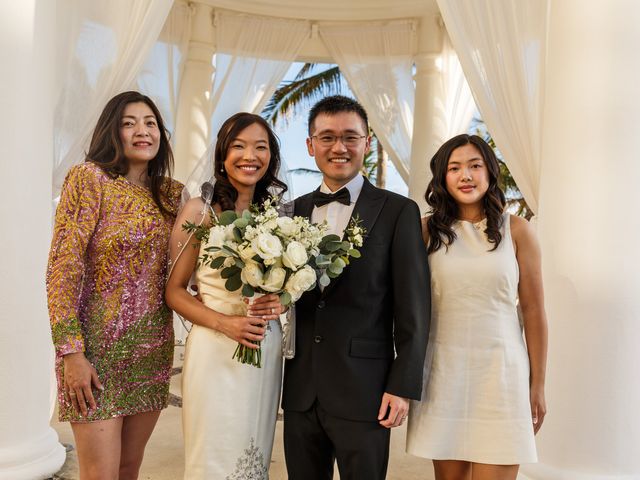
<point>267,246</point>
<point>216,236</point>
<point>229,261</point>
<point>252,275</point>
<point>300,282</point>
<point>228,232</point>
<point>295,256</point>
<point>358,240</point>
<point>274,279</point>
<point>288,226</point>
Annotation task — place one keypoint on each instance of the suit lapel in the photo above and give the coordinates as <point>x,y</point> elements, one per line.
<point>303,206</point>
<point>367,208</point>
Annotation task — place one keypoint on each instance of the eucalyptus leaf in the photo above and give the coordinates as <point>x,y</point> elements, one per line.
<point>247,290</point>
<point>241,223</point>
<point>332,246</point>
<point>338,263</point>
<point>230,272</point>
<point>237,234</point>
<point>246,214</point>
<point>217,262</point>
<point>285,298</point>
<point>230,250</point>
<point>332,237</point>
<point>324,280</point>
<point>233,283</point>
<point>345,245</point>
<point>227,217</point>
<point>333,271</point>
<point>354,253</point>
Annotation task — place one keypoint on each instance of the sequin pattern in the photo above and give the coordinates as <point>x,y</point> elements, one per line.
<point>105,288</point>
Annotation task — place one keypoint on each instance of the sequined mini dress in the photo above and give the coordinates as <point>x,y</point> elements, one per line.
<point>105,289</point>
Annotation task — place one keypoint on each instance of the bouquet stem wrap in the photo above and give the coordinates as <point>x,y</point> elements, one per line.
<point>250,356</point>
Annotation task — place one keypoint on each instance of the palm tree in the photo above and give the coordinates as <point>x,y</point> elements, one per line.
<point>307,87</point>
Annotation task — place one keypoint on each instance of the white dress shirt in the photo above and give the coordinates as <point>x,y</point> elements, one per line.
<point>337,214</point>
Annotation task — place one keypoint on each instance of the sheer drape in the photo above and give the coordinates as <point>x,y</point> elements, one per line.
<point>502,49</point>
<point>162,72</point>
<point>100,52</point>
<point>455,108</point>
<point>252,56</point>
<point>377,61</point>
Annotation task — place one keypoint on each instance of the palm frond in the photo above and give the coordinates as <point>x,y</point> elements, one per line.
<point>293,96</point>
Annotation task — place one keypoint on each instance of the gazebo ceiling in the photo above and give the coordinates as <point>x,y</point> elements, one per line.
<point>332,10</point>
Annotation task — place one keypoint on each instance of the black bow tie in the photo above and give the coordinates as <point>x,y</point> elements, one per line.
<point>342,196</point>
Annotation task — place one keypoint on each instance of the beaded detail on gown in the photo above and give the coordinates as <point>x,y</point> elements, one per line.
<point>229,409</point>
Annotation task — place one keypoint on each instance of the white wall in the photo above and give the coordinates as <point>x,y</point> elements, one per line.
<point>589,226</point>
<point>29,448</point>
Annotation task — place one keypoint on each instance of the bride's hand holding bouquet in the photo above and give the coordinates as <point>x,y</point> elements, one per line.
<point>264,254</point>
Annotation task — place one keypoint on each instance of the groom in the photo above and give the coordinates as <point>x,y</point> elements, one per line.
<point>361,340</point>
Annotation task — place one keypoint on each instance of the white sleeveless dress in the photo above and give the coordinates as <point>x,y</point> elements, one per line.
<point>229,409</point>
<point>475,399</point>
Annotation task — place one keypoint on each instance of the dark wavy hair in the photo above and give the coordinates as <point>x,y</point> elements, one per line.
<point>337,104</point>
<point>224,193</point>
<point>106,148</point>
<point>444,209</point>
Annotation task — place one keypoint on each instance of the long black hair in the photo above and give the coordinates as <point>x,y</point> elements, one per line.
<point>224,193</point>
<point>444,209</point>
<point>107,151</point>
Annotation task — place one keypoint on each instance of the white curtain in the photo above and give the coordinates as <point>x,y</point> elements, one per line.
<point>161,73</point>
<point>502,49</point>
<point>377,61</point>
<point>101,47</point>
<point>455,108</point>
<point>252,56</point>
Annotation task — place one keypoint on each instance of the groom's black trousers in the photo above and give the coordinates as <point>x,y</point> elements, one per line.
<point>314,439</point>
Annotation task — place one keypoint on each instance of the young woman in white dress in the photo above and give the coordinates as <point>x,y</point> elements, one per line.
<point>483,397</point>
<point>229,409</point>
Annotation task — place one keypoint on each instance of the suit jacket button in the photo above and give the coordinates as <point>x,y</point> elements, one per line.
<point>321,304</point>
<point>317,339</point>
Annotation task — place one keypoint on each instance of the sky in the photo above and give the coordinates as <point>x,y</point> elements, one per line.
<point>294,152</point>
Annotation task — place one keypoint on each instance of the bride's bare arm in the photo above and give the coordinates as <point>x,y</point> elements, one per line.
<point>184,251</point>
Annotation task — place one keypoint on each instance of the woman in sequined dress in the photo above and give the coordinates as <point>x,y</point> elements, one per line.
<point>111,329</point>
<point>229,409</point>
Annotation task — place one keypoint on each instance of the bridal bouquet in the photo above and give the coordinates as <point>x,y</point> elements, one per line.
<point>261,252</point>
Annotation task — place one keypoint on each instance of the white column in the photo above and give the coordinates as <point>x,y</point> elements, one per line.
<point>589,227</point>
<point>29,447</point>
<point>426,139</point>
<point>194,107</point>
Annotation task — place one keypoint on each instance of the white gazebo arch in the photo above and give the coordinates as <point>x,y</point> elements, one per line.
<point>560,101</point>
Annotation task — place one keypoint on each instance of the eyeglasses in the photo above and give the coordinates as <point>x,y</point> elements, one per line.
<point>328,140</point>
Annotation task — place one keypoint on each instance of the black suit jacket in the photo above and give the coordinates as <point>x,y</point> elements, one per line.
<point>366,333</point>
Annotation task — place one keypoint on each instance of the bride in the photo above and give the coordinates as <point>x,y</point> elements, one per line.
<point>229,409</point>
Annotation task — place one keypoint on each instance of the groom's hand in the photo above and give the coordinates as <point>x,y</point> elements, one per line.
<point>393,410</point>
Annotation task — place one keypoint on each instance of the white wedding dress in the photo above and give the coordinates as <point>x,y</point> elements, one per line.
<point>229,409</point>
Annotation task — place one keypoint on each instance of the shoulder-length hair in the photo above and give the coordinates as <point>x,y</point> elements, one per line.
<point>107,151</point>
<point>224,193</point>
<point>444,209</point>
